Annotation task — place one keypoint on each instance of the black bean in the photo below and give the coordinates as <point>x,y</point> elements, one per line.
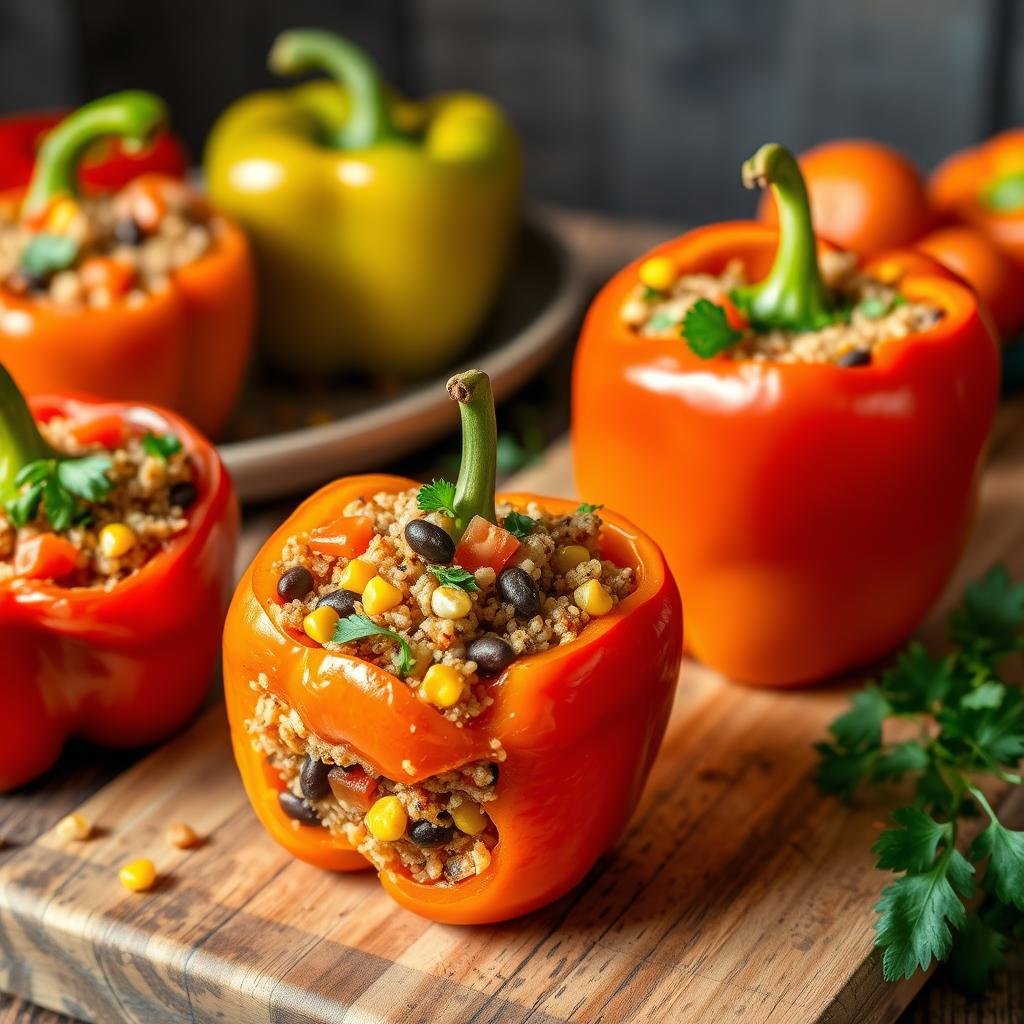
<point>127,231</point>
<point>492,654</point>
<point>34,282</point>
<point>297,808</point>
<point>342,601</point>
<point>426,833</point>
<point>855,357</point>
<point>183,494</point>
<point>494,773</point>
<point>430,542</point>
<point>516,586</point>
<point>294,583</point>
<point>313,778</point>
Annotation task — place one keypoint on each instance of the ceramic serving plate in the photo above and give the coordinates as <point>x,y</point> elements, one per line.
<point>290,435</point>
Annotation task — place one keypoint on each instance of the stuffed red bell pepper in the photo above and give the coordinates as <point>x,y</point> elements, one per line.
<point>465,693</point>
<point>118,527</point>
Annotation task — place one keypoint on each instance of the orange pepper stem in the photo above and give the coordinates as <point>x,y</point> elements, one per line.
<point>20,440</point>
<point>134,115</point>
<point>793,294</point>
<point>475,487</point>
<point>309,49</point>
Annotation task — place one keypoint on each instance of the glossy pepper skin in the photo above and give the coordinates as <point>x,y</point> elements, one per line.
<point>811,513</point>
<point>185,347</point>
<point>127,666</point>
<point>105,169</point>
<point>381,227</point>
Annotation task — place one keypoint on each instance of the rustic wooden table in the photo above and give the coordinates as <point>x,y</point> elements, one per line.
<point>604,245</point>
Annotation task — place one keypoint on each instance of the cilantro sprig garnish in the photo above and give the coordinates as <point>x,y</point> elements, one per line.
<point>161,446</point>
<point>454,576</point>
<point>970,727</point>
<point>59,486</point>
<point>358,627</point>
<point>585,508</point>
<point>706,329</point>
<point>438,496</point>
<point>46,253</point>
<point>518,525</point>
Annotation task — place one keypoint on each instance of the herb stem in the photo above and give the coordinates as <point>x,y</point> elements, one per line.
<point>985,805</point>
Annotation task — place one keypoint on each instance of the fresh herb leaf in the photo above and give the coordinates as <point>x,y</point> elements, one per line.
<point>584,508</point>
<point>357,627</point>
<point>47,253</point>
<point>57,487</point>
<point>23,509</point>
<point>706,329</point>
<point>86,477</point>
<point>913,844</point>
<point>454,576</point>
<point>161,446</point>
<point>862,725</point>
<point>651,294</point>
<point>873,307</point>
<point>438,496</point>
<point>1005,852</point>
<point>989,621</point>
<point>662,321</point>
<point>518,525</point>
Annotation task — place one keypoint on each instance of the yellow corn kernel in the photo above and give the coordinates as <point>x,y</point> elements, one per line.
<point>74,826</point>
<point>569,556</point>
<point>356,575</point>
<point>658,273</point>
<point>450,603</point>
<point>379,596</point>
<point>319,624</point>
<point>442,686</point>
<point>592,598</point>
<point>116,540</point>
<point>469,818</point>
<point>62,215</point>
<point>386,819</point>
<point>138,875</point>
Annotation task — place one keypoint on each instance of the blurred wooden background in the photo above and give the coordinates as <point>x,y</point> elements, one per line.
<point>644,107</point>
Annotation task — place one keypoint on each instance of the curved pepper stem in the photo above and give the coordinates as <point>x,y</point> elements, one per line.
<point>20,440</point>
<point>475,487</point>
<point>793,294</point>
<point>134,115</point>
<point>310,49</point>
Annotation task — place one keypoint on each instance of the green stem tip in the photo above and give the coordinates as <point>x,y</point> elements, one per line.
<point>308,49</point>
<point>133,115</point>
<point>475,487</point>
<point>793,295</point>
<point>20,439</point>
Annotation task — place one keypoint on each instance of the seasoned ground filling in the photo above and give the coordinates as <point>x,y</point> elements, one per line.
<point>458,636</point>
<point>875,312</point>
<point>95,251</point>
<point>435,831</point>
<point>146,505</point>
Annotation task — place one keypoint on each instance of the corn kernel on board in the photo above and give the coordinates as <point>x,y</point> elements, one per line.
<point>738,890</point>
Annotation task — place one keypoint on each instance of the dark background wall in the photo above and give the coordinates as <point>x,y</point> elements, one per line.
<point>638,106</point>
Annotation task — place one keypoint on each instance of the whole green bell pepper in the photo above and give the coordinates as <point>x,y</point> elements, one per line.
<point>381,227</point>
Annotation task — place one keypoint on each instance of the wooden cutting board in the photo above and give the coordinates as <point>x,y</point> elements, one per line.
<point>739,891</point>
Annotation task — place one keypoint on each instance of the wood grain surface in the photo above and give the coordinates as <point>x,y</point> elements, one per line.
<point>738,891</point>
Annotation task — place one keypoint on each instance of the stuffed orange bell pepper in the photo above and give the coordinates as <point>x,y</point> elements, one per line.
<point>804,437</point>
<point>144,294</point>
<point>118,526</point>
<point>465,693</point>
<point>381,227</point>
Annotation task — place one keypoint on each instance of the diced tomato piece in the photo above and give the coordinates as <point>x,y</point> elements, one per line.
<point>353,787</point>
<point>102,272</point>
<point>346,537</point>
<point>144,200</point>
<point>733,316</point>
<point>45,557</point>
<point>482,544</point>
<point>104,430</point>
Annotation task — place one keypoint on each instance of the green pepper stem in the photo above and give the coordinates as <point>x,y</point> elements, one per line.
<point>793,294</point>
<point>309,49</point>
<point>133,115</point>
<point>474,490</point>
<point>20,440</point>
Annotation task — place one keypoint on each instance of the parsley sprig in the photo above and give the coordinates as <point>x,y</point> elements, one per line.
<point>438,496</point>
<point>970,727</point>
<point>518,525</point>
<point>454,576</point>
<point>585,508</point>
<point>161,446</point>
<point>358,627</point>
<point>706,329</point>
<point>59,486</point>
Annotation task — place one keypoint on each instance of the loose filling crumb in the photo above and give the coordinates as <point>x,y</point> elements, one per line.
<point>94,251</point>
<point>138,499</point>
<point>872,312</point>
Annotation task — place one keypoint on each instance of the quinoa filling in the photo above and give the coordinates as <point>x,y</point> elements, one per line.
<point>436,831</point>
<point>872,313</point>
<point>142,491</point>
<point>91,252</point>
